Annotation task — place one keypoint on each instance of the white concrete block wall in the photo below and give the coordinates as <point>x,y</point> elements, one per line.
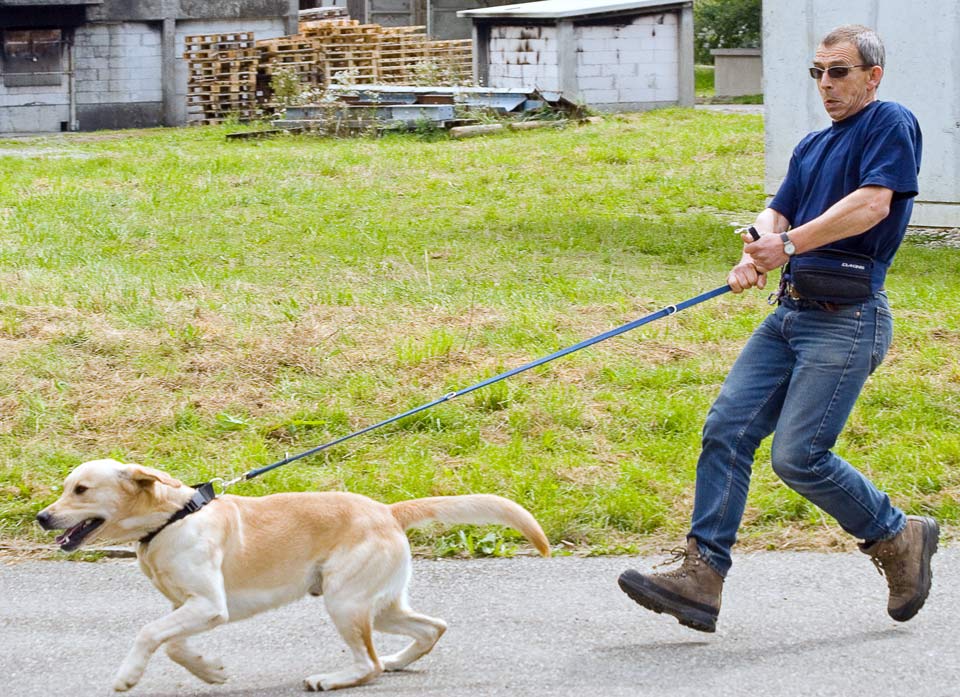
<point>633,64</point>
<point>525,57</point>
<point>118,63</point>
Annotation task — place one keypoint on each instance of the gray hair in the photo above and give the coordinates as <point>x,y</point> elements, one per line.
<point>864,38</point>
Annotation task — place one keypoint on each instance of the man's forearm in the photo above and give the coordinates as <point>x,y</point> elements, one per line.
<point>854,214</point>
<point>769,221</point>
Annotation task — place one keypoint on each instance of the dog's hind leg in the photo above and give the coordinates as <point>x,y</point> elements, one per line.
<point>425,631</point>
<point>352,619</point>
<point>211,671</point>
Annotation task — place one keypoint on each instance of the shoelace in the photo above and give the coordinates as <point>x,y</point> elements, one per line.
<point>895,575</point>
<point>679,554</point>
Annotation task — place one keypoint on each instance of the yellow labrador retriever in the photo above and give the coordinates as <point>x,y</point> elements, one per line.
<point>237,556</point>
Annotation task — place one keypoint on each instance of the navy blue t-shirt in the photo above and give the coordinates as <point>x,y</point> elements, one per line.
<point>878,146</point>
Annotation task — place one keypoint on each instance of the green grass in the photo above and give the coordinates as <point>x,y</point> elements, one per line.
<point>703,80</point>
<point>206,307</point>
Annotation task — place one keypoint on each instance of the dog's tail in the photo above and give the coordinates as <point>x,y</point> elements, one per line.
<point>473,509</point>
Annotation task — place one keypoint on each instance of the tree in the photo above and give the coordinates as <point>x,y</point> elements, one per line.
<point>725,24</point>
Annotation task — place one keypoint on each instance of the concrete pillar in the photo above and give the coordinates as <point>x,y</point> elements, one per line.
<point>357,9</point>
<point>685,47</point>
<point>567,61</point>
<point>481,53</point>
<point>291,22</point>
<point>168,72</point>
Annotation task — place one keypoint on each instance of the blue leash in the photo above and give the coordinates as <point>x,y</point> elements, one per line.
<point>489,381</point>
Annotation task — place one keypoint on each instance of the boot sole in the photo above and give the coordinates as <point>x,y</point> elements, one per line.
<point>697,616</point>
<point>931,538</point>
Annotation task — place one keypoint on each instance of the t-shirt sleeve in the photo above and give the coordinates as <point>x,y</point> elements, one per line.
<point>891,158</point>
<point>787,200</point>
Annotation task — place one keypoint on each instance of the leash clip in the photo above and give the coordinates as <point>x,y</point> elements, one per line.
<point>226,484</point>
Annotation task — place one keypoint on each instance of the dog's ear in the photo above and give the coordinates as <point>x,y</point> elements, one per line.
<point>145,476</point>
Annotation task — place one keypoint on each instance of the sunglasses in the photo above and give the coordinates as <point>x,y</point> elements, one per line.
<point>837,72</point>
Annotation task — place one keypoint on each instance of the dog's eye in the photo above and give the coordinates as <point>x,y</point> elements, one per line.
<point>80,489</point>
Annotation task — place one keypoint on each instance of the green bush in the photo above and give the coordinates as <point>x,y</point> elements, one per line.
<point>725,24</point>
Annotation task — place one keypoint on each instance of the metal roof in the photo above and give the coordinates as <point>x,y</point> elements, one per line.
<point>561,9</point>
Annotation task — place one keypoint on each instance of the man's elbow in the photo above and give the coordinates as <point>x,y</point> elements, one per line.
<point>878,203</point>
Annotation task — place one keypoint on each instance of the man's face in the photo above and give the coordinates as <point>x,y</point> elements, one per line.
<point>843,97</point>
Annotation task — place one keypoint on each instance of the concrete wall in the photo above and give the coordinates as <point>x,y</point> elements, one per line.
<point>119,70</point>
<point>130,10</point>
<point>737,71</point>
<point>443,20</point>
<point>439,16</point>
<point>34,109</point>
<point>922,39</point>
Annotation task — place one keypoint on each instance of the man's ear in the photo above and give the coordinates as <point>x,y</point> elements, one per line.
<point>145,476</point>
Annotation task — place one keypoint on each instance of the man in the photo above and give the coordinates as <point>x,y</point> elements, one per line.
<point>848,194</point>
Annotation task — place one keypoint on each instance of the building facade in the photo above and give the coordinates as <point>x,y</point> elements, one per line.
<point>72,65</point>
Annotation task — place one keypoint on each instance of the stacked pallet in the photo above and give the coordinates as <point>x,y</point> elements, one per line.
<point>347,47</point>
<point>222,76</point>
<point>315,13</point>
<point>402,49</point>
<point>297,54</point>
<point>455,59</point>
<point>231,73</point>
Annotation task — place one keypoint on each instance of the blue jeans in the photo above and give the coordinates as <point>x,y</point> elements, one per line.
<point>799,376</point>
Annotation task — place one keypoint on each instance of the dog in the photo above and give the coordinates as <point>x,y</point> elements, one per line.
<point>237,556</point>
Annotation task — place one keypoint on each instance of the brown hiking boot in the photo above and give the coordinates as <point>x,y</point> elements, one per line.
<point>690,593</point>
<point>905,561</point>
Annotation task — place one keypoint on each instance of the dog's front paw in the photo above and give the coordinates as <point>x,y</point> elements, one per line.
<point>317,683</point>
<point>122,682</point>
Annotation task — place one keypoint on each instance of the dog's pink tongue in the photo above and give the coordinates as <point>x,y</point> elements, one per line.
<point>65,537</point>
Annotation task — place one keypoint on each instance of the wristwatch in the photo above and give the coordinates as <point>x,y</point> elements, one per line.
<point>788,247</point>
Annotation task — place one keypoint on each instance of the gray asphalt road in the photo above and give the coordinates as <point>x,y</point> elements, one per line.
<point>792,624</point>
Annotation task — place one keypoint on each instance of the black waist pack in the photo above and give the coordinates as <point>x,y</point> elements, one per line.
<point>826,275</point>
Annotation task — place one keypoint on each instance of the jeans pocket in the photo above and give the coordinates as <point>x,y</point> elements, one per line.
<point>882,336</point>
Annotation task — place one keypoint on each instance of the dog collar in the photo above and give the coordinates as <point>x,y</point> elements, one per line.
<point>204,494</point>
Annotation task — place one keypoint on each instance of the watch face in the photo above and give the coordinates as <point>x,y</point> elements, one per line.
<point>788,246</point>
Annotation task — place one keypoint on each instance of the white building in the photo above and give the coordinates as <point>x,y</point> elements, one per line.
<point>625,55</point>
<point>922,40</point>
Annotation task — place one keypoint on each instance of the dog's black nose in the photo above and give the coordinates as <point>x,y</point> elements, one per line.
<point>44,519</point>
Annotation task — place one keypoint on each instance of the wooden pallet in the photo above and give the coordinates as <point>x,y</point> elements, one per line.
<point>222,75</point>
<point>324,14</point>
<point>309,28</point>
<point>218,42</point>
